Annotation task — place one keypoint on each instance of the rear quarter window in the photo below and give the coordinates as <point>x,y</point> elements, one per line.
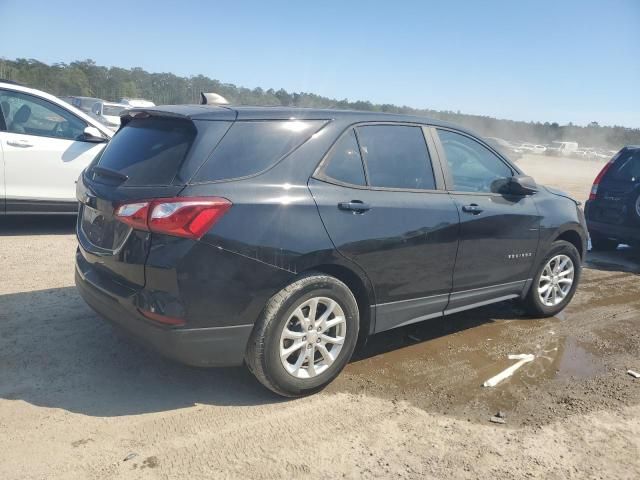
<point>250,147</point>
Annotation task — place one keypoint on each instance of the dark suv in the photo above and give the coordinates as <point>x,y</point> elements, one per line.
<point>277,237</point>
<point>613,208</point>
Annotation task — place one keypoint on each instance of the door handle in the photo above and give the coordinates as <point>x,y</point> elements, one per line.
<point>473,208</point>
<point>20,143</point>
<point>355,206</point>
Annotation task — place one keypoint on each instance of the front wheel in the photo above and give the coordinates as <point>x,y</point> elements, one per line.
<point>305,336</point>
<point>555,282</point>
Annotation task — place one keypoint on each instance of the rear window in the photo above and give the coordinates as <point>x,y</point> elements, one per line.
<point>249,147</point>
<point>626,167</point>
<point>149,151</point>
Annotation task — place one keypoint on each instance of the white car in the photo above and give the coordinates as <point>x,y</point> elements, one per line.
<point>109,113</point>
<point>44,145</point>
<point>137,102</point>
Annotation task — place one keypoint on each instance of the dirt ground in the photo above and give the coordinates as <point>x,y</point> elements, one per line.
<point>77,401</point>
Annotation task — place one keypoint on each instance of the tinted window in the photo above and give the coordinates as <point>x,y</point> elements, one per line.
<point>31,115</point>
<point>253,146</point>
<point>150,150</point>
<point>345,163</point>
<point>396,156</point>
<point>626,167</point>
<point>473,166</point>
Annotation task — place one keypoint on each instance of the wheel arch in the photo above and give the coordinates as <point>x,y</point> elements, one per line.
<point>574,238</point>
<point>359,286</point>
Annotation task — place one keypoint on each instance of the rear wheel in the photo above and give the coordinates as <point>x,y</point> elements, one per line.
<point>305,336</point>
<point>555,281</point>
<point>602,244</point>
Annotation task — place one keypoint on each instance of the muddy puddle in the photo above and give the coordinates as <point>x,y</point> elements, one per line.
<point>441,366</point>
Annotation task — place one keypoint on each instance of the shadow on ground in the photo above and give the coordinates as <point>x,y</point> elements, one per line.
<point>37,225</point>
<point>56,352</point>
<point>623,259</point>
<point>439,327</point>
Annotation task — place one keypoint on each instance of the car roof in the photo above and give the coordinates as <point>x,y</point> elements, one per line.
<point>233,112</point>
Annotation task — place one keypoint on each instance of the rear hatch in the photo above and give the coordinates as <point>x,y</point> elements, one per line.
<point>617,196</point>
<point>152,156</point>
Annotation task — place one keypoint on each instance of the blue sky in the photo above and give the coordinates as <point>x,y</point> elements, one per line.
<point>539,60</point>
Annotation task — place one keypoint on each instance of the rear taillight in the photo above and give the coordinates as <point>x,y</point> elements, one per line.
<point>189,217</point>
<point>596,182</point>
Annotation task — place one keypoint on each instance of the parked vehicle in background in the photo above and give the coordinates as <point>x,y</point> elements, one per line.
<point>565,148</point>
<point>277,237</point>
<point>109,113</point>
<point>613,208</point>
<point>137,102</point>
<point>44,145</point>
<point>504,147</point>
<point>539,149</point>
<point>82,103</point>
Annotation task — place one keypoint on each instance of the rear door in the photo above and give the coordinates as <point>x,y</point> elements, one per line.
<point>43,153</point>
<point>385,209</point>
<point>498,233</point>
<point>619,191</point>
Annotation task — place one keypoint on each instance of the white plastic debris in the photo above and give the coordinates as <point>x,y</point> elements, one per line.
<point>634,374</point>
<point>523,358</point>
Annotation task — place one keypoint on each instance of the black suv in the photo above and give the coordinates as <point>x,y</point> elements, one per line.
<point>613,208</point>
<point>278,237</point>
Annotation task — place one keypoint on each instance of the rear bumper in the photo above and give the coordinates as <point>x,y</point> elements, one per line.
<point>622,233</point>
<point>202,347</point>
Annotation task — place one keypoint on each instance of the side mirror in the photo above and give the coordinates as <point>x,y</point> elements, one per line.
<point>516,185</point>
<point>523,185</point>
<point>92,134</point>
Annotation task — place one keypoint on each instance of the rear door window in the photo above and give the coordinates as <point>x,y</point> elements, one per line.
<point>149,150</point>
<point>396,156</point>
<point>344,163</point>
<point>627,167</point>
<point>250,147</point>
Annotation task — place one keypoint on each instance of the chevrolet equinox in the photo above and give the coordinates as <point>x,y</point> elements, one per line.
<point>277,237</point>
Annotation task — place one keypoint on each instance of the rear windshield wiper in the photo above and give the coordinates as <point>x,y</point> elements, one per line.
<point>108,172</point>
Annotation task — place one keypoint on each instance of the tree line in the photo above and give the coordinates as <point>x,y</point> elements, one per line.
<point>86,78</point>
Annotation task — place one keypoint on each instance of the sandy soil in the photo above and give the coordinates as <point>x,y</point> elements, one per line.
<point>77,401</point>
<point>568,174</point>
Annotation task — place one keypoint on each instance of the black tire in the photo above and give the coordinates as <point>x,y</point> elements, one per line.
<point>602,244</point>
<point>263,352</point>
<point>532,302</point>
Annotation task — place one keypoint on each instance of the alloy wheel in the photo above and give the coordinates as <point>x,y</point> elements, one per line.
<point>312,337</point>
<point>556,280</point>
